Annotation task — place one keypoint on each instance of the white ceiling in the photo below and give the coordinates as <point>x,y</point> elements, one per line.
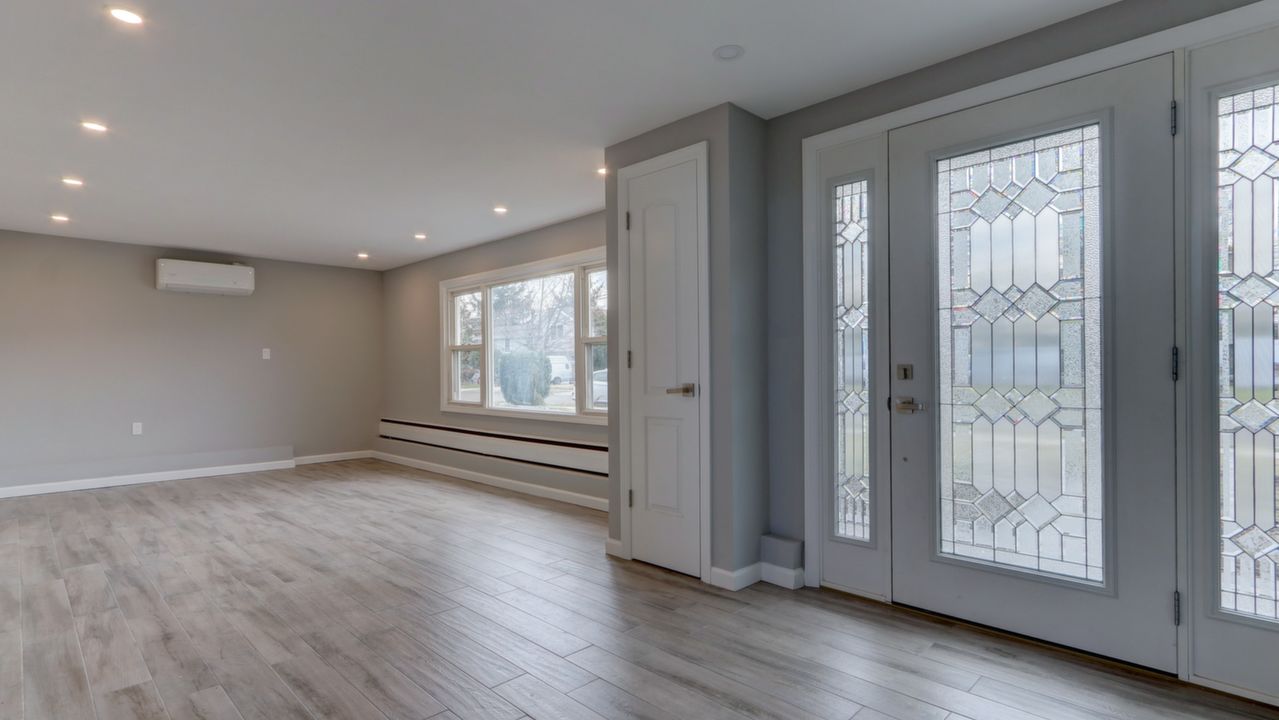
<point>313,129</point>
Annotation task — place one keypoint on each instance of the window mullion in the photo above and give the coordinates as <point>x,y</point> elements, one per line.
<point>486,362</point>
<point>579,359</point>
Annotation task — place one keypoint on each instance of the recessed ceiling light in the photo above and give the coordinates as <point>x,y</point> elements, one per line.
<point>93,125</point>
<point>500,209</point>
<point>362,256</point>
<point>59,218</point>
<point>125,16</point>
<point>729,52</point>
<point>419,236</point>
<point>72,181</point>
<point>602,171</point>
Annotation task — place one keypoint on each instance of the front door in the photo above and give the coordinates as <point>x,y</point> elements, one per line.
<point>664,216</point>
<point>1032,285</point>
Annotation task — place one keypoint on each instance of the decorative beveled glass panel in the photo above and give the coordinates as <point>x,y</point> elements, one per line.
<point>852,360</point>
<point>1020,357</point>
<point>1248,313</point>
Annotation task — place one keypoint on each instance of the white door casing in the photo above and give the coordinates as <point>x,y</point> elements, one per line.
<point>663,249</point>
<point>1120,603</point>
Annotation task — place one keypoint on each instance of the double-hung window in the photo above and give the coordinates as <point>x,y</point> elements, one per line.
<point>528,341</point>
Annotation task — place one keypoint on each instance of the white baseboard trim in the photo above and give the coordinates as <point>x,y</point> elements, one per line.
<point>141,478</point>
<point>789,578</point>
<point>519,486</point>
<point>333,457</point>
<point>614,547</point>
<point>736,579</point>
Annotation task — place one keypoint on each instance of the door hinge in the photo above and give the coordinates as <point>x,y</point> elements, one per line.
<point>628,358</point>
<point>1174,118</point>
<point>630,498</point>
<point>1176,607</point>
<point>628,219</point>
<point>1176,363</point>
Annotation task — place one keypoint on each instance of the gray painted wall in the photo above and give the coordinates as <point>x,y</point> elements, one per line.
<point>88,346</point>
<point>1101,28</point>
<point>738,422</point>
<point>411,370</point>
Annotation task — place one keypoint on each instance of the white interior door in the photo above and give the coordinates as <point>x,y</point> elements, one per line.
<point>1032,289</point>
<point>851,387</point>
<point>663,206</point>
<point>1234,187</point>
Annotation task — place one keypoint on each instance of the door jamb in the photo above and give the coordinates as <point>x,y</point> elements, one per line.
<point>699,153</point>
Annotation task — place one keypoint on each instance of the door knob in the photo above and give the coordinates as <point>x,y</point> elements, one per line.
<point>908,406</point>
<point>687,390</point>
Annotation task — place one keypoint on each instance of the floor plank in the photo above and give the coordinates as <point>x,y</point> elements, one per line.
<point>390,690</point>
<point>543,702</point>
<point>54,684</point>
<point>111,657</point>
<point>323,689</point>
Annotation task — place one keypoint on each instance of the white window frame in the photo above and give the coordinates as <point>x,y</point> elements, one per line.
<point>580,264</point>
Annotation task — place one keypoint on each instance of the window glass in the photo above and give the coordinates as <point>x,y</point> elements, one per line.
<point>533,344</point>
<point>597,372</point>
<point>852,360</point>
<point>597,303</point>
<point>466,376</point>
<point>1020,334</point>
<point>1247,341</point>
<point>468,319</point>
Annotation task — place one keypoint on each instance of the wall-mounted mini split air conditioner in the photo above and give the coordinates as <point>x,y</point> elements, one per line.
<point>201,277</point>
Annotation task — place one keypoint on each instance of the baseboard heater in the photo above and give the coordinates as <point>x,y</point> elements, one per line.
<point>581,457</point>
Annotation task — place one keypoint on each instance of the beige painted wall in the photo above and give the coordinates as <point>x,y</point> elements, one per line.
<point>411,387</point>
<point>88,346</point>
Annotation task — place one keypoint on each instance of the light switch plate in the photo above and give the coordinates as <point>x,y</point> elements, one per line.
<point>137,428</point>
<point>266,353</point>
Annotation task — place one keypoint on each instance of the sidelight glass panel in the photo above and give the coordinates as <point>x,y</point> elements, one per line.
<point>852,360</point>
<point>1248,312</point>
<point>1020,332</point>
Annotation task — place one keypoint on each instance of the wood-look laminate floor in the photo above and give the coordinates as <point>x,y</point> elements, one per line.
<point>368,590</point>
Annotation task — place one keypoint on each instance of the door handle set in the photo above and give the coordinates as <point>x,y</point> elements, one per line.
<point>686,390</point>
<point>908,406</point>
